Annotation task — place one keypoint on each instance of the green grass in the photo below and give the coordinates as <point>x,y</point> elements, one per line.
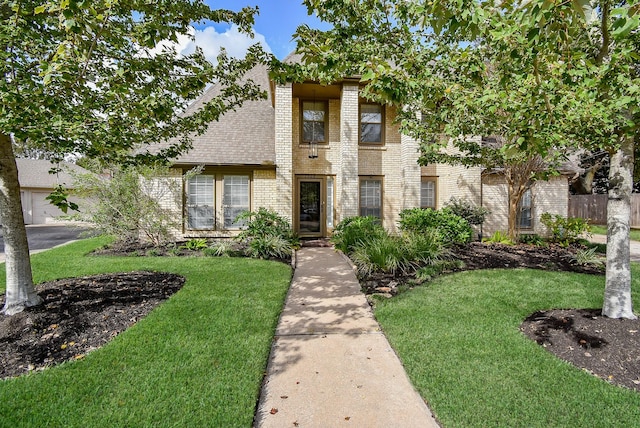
<point>460,342</point>
<point>602,230</point>
<point>196,360</point>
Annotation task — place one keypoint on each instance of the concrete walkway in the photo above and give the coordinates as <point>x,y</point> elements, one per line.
<point>330,365</point>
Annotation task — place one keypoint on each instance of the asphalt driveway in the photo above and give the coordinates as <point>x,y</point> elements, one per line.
<point>43,237</point>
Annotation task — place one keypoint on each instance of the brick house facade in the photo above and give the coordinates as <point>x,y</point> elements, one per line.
<point>319,154</point>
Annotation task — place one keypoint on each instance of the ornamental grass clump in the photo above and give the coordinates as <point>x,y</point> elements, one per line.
<point>397,254</point>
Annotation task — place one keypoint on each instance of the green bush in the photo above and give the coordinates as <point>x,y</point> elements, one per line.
<point>565,230</point>
<point>498,237</point>
<point>353,231</point>
<point>269,246</point>
<point>267,234</point>
<point>473,214</point>
<point>195,244</point>
<point>588,257</point>
<point>532,239</point>
<point>394,254</point>
<point>452,228</point>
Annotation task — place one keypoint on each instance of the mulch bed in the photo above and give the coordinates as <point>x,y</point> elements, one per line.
<point>78,316</point>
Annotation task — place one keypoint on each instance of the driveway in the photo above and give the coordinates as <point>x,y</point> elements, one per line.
<point>43,237</point>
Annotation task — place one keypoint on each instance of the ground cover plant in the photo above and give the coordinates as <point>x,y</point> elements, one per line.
<point>198,359</point>
<point>461,343</point>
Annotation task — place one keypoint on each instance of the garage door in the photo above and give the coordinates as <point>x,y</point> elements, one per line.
<point>43,212</point>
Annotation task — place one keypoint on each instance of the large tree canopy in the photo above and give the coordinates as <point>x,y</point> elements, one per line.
<point>99,78</point>
<point>547,76</point>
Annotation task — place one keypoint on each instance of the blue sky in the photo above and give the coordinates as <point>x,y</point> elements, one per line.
<point>274,27</point>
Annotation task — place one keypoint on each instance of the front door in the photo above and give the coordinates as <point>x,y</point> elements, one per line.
<point>310,208</point>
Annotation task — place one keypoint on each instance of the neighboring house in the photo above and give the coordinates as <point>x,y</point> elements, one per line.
<point>36,183</point>
<point>319,154</point>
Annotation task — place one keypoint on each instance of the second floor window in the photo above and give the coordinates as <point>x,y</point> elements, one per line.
<point>314,115</point>
<point>371,123</point>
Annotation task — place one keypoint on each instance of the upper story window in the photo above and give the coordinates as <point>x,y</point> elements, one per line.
<point>314,123</point>
<point>371,124</point>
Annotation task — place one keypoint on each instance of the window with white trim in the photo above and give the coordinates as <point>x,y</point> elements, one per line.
<point>371,120</point>
<point>314,115</point>
<point>235,199</point>
<point>200,206</point>
<point>371,197</point>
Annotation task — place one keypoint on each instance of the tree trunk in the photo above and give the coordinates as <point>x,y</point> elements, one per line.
<point>515,191</point>
<point>20,291</point>
<point>617,293</point>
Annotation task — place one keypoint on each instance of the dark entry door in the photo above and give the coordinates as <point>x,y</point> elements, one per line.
<point>310,208</point>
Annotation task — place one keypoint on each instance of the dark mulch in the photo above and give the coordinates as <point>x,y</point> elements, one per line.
<point>78,316</point>
<point>607,348</point>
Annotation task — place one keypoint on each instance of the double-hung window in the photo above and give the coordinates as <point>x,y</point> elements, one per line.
<point>227,195</point>
<point>314,127</point>
<point>371,197</point>
<point>235,199</point>
<point>200,206</point>
<point>371,122</point>
<point>428,193</point>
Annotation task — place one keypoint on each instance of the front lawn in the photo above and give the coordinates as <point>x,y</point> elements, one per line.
<point>196,360</point>
<point>460,342</point>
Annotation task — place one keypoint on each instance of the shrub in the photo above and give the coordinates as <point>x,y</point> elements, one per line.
<point>263,223</point>
<point>393,254</point>
<point>383,253</point>
<point>473,214</point>
<point>565,231</point>
<point>353,231</point>
<point>127,206</point>
<point>269,246</point>
<point>224,248</point>
<point>498,237</point>
<point>267,234</point>
<point>452,228</point>
<point>195,244</point>
<point>588,257</point>
<point>532,239</point>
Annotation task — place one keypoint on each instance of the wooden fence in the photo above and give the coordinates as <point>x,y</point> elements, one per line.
<point>594,207</point>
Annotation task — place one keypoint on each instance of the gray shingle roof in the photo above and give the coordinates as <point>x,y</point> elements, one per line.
<point>34,173</point>
<point>242,137</point>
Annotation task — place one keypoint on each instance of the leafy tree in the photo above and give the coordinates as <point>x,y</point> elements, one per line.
<point>97,78</point>
<point>543,75</point>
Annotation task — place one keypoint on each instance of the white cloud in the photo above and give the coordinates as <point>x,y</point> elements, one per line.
<point>210,41</point>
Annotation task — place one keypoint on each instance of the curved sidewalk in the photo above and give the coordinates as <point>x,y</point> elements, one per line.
<point>330,364</point>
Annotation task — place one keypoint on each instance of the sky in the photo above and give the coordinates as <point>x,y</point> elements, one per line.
<point>274,27</point>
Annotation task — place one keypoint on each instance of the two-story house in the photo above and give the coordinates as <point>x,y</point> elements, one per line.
<point>318,154</point>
